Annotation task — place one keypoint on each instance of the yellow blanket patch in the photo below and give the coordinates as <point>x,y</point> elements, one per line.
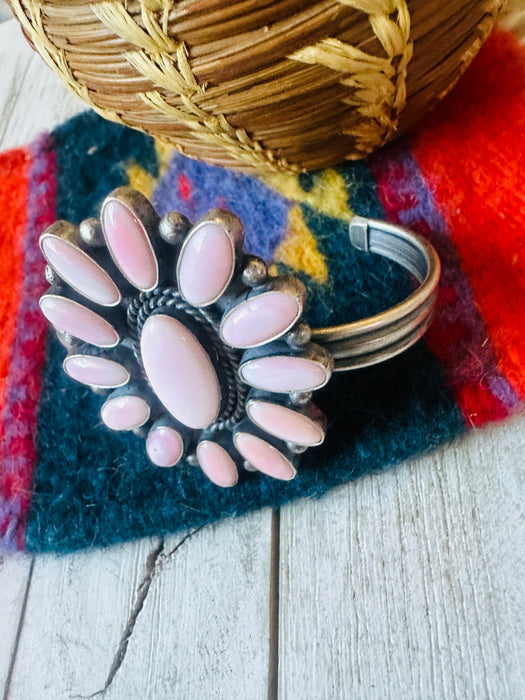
<point>164,152</point>
<point>328,195</point>
<point>299,249</point>
<point>141,180</point>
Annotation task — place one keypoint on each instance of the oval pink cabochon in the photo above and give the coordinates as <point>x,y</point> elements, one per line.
<point>285,423</point>
<point>260,319</point>
<point>264,457</point>
<point>217,464</point>
<point>180,371</point>
<point>129,245</point>
<point>206,264</point>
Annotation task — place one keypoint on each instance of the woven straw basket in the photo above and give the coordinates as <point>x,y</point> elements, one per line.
<point>261,85</point>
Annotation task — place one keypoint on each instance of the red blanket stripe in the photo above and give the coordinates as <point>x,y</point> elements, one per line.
<point>485,209</point>
<point>23,380</point>
<point>14,170</point>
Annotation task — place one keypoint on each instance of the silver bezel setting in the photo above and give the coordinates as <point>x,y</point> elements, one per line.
<point>68,358</point>
<point>76,303</point>
<point>231,226</point>
<point>49,234</point>
<point>146,216</point>
<point>281,285</point>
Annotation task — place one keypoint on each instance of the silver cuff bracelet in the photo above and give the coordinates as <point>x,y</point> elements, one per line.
<point>201,351</point>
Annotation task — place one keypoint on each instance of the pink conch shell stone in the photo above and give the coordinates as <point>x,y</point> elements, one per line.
<point>164,446</point>
<point>80,271</point>
<point>264,457</point>
<point>260,319</point>
<point>217,464</point>
<point>206,264</point>
<point>129,245</point>
<point>96,371</point>
<point>283,374</point>
<point>180,371</point>
<point>73,318</point>
<point>125,412</point>
<point>285,423</point>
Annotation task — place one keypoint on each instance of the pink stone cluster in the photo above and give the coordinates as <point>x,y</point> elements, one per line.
<point>180,402</point>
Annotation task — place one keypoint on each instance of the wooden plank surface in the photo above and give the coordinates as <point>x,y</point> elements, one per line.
<point>413,584</point>
<point>14,582</point>
<point>184,617</point>
<point>408,584</point>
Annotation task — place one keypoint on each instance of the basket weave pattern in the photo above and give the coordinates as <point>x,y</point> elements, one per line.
<point>260,85</point>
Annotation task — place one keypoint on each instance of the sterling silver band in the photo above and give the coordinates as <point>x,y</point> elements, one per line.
<point>378,338</point>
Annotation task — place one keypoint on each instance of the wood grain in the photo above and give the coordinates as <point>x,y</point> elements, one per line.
<point>152,619</point>
<point>32,99</point>
<point>14,580</point>
<point>410,584</point>
<point>204,628</point>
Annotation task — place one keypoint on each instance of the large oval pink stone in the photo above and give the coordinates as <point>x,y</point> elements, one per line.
<point>285,423</point>
<point>164,446</point>
<point>96,371</point>
<point>180,371</point>
<point>75,319</point>
<point>283,374</point>
<point>217,464</point>
<point>206,264</point>
<point>129,245</point>
<point>264,457</point>
<point>260,319</point>
<point>125,412</point>
<point>79,270</point>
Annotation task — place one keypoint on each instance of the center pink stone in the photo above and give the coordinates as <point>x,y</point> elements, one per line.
<point>180,371</point>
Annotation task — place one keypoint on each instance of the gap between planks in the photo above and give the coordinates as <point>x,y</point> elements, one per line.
<point>21,619</point>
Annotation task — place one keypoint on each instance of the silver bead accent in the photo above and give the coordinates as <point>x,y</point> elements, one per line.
<point>248,466</point>
<point>65,339</point>
<point>101,391</point>
<point>91,232</point>
<point>300,398</point>
<point>141,431</point>
<point>173,227</point>
<point>192,460</point>
<point>296,449</point>
<point>299,336</point>
<point>51,276</point>
<point>255,271</point>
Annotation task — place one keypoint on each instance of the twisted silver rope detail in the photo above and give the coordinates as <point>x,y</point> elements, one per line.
<point>146,303</point>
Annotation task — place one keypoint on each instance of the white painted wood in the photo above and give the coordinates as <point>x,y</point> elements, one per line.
<point>76,609</point>
<point>32,98</point>
<point>203,628</point>
<point>5,12</point>
<point>204,631</point>
<point>14,572</point>
<point>410,584</point>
